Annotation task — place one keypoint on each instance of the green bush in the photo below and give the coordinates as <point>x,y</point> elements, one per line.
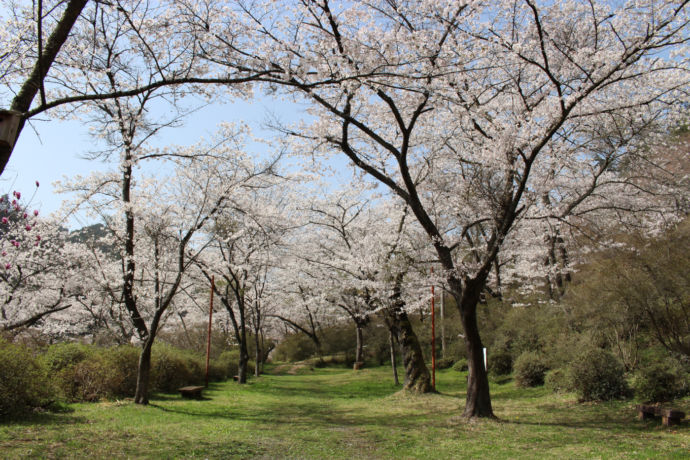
<point>597,375</point>
<point>500,362</point>
<point>295,347</point>
<point>23,381</point>
<point>530,369</point>
<point>444,363</point>
<point>558,381</point>
<point>460,365</point>
<point>661,381</point>
<point>122,362</point>
<point>87,380</point>
<point>63,355</point>
<point>172,368</point>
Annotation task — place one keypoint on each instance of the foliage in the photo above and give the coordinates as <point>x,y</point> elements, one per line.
<point>24,383</point>
<point>559,380</point>
<point>597,375</point>
<point>294,347</point>
<point>661,379</point>
<point>461,365</point>
<point>500,362</point>
<point>530,369</point>
<point>444,363</point>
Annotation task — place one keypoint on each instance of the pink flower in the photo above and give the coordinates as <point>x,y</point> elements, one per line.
<point>35,212</point>
<point>8,266</point>
<point>14,202</point>
<point>4,253</point>
<point>2,198</point>
<point>37,184</point>
<point>28,228</point>
<point>38,237</point>
<point>25,215</point>
<point>4,220</point>
<point>15,243</point>
<point>18,195</point>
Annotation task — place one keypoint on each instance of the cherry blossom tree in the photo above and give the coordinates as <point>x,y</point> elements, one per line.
<point>492,105</point>
<point>244,241</point>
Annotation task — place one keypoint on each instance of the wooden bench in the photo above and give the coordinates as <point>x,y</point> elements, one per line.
<point>669,417</point>
<point>192,392</point>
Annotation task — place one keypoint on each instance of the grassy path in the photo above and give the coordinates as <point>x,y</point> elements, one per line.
<point>337,413</point>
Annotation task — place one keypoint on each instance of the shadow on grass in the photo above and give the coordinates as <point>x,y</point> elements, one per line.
<point>43,418</point>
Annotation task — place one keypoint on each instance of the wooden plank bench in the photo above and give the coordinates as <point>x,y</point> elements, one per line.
<point>669,417</point>
<point>192,392</point>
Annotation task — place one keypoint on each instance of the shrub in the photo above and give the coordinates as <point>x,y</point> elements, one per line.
<point>23,381</point>
<point>597,375</point>
<point>444,363</point>
<point>500,362</point>
<point>122,362</point>
<point>172,368</point>
<point>295,347</point>
<point>660,381</point>
<point>558,381</point>
<point>87,380</point>
<point>229,360</point>
<point>63,355</point>
<point>530,369</point>
<point>460,365</point>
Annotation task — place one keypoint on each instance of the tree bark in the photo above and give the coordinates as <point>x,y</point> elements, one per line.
<point>359,351</point>
<point>478,401</point>
<point>244,354</point>
<point>141,396</point>
<point>394,364</point>
<point>257,354</point>
<point>22,101</point>
<point>417,377</point>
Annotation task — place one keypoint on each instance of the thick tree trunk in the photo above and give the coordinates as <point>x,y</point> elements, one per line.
<point>394,364</point>
<point>359,351</point>
<point>242,364</point>
<point>141,396</point>
<point>478,402</point>
<point>417,377</point>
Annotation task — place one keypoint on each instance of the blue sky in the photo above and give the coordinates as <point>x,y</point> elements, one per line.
<point>49,150</point>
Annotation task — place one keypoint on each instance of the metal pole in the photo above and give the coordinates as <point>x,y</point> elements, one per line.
<point>210,321</point>
<point>433,338</point>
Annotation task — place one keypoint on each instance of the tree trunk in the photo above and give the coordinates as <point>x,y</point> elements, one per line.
<point>257,354</point>
<point>478,402</point>
<point>417,377</point>
<point>359,351</point>
<point>242,364</point>
<point>141,396</point>
<point>394,364</point>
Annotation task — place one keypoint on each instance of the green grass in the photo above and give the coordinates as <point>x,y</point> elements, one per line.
<point>339,413</point>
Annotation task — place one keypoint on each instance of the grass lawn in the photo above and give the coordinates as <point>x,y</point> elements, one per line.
<point>339,413</point>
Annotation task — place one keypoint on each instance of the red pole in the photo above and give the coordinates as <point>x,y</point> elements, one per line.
<point>433,338</point>
<point>210,319</point>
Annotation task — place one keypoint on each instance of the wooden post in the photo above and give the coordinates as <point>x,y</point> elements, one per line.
<point>210,320</point>
<point>433,337</point>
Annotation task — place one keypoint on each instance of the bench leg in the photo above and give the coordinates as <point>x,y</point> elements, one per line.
<point>644,415</point>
